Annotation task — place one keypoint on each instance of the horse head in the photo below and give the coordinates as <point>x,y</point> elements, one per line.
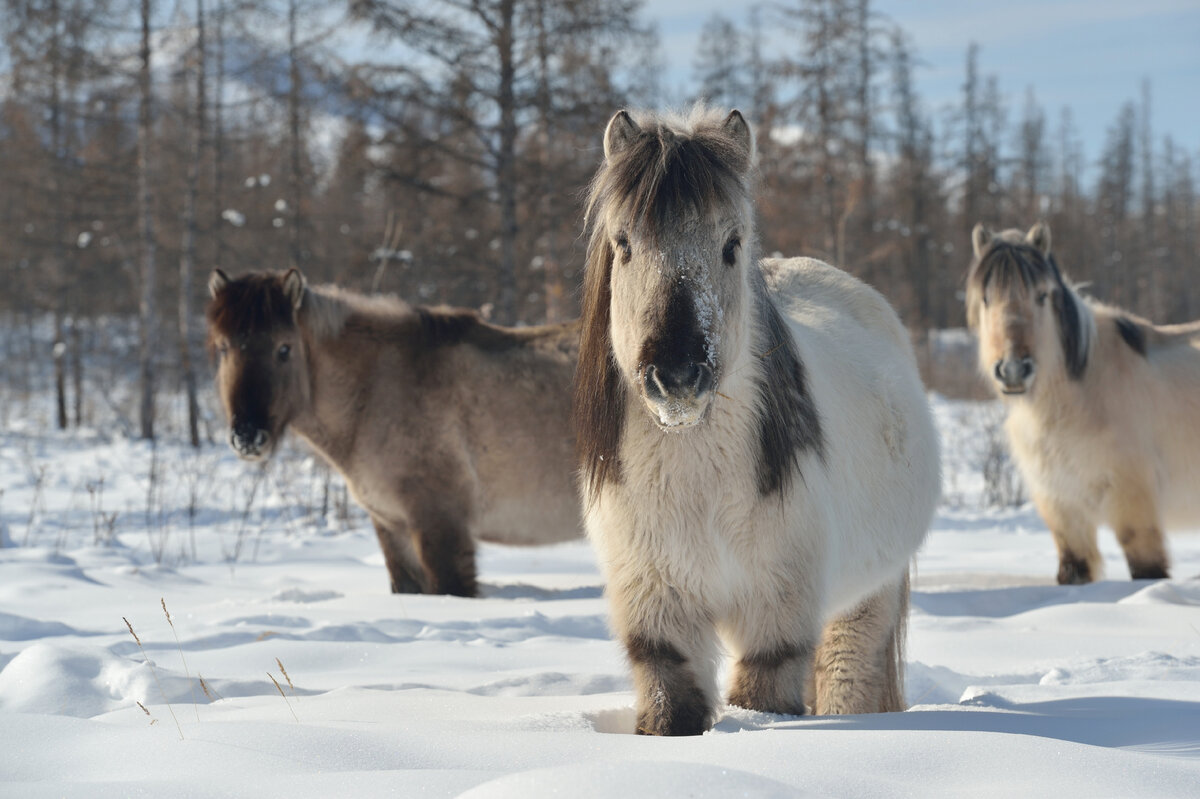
<point>671,227</point>
<point>261,369</point>
<point>1027,317</point>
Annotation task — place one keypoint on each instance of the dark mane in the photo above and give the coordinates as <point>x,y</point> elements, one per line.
<point>788,422</point>
<point>664,174</point>
<point>598,399</point>
<point>445,327</point>
<point>247,304</point>
<point>1005,264</point>
<point>1132,333</point>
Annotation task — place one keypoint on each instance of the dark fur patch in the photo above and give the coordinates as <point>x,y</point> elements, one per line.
<point>1073,570</point>
<point>645,650</point>
<point>1133,334</point>
<point>447,327</point>
<point>788,421</point>
<point>1005,264</point>
<point>598,400</point>
<point>669,700</point>
<point>756,684</point>
<point>677,341</point>
<point>1148,571</point>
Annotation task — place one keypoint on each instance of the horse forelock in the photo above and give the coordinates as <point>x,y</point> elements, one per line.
<point>248,305</point>
<point>671,170</point>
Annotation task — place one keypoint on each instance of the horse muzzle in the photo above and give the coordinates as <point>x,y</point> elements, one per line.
<point>250,441</point>
<point>678,396</point>
<point>1014,375</point>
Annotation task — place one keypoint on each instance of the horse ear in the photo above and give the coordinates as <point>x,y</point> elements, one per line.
<point>293,287</point>
<point>738,129</point>
<point>981,237</point>
<point>217,282</point>
<point>1039,237</point>
<point>620,132</point>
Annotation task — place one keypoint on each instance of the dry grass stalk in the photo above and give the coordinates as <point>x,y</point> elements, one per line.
<point>208,690</point>
<point>288,678</point>
<point>279,688</point>
<point>153,720</point>
<point>179,646</point>
<point>154,673</point>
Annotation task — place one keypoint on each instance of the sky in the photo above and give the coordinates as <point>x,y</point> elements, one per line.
<point>1090,55</point>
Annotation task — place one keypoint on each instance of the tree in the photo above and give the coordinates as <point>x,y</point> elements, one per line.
<point>720,66</point>
<point>478,67</point>
<point>147,306</point>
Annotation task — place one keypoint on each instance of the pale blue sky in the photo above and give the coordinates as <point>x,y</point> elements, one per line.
<point>1091,55</point>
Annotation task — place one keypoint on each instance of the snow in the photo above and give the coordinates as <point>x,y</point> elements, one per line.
<point>1018,687</point>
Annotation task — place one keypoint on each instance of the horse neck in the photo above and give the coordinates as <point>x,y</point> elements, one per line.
<point>327,414</point>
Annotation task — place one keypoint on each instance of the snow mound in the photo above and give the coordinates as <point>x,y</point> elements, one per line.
<point>69,681</point>
<point>634,778</point>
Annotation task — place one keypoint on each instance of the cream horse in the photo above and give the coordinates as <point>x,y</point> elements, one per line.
<point>759,461</point>
<point>1103,407</point>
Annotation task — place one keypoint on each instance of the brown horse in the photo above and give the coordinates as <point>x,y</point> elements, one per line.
<point>1103,407</point>
<point>447,429</point>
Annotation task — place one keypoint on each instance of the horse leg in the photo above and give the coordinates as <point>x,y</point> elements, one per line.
<point>1075,539</point>
<point>775,646</point>
<point>859,664</point>
<point>673,654</point>
<point>1133,514</point>
<point>446,551</point>
<point>404,567</point>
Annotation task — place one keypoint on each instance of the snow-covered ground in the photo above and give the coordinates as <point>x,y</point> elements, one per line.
<point>1018,687</point>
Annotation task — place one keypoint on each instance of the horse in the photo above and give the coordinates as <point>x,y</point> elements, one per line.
<point>758,458</point>
<point>448,430</point>
<point>1103,407</point>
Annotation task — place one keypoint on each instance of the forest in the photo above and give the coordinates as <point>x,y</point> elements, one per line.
<point>439,150</point>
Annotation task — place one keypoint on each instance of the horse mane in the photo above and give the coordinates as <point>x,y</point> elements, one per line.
<point>257,301</point>
<point>1005,264</point>
<point>598,404</point>
<point>788,421</point>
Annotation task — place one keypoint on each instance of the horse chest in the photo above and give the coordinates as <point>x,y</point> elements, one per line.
<point>1057,459</point>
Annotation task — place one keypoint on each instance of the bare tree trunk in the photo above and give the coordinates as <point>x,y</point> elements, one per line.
<point>506,169</point>
<point>218,140</point>
<point>295,143</point>
<point>58,229</point>
<point>187,256</point>
<point>551,268</point>
<point>146,308</point>
<point>76,346</point>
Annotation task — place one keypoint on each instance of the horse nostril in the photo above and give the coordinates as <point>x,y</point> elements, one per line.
<point>688,378</point>
<point>999,370</point>
<point>1026,368</point>
<point>653,387</point>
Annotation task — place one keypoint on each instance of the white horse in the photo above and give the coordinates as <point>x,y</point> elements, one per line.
<point>759,460</point>
<point>1103,407</point>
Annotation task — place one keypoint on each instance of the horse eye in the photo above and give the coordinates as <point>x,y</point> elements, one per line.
<point>284,353</point>
<point>730,251</point>
<point>222,349</point>
<point>1041,298</point>
<point>623,246</point>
